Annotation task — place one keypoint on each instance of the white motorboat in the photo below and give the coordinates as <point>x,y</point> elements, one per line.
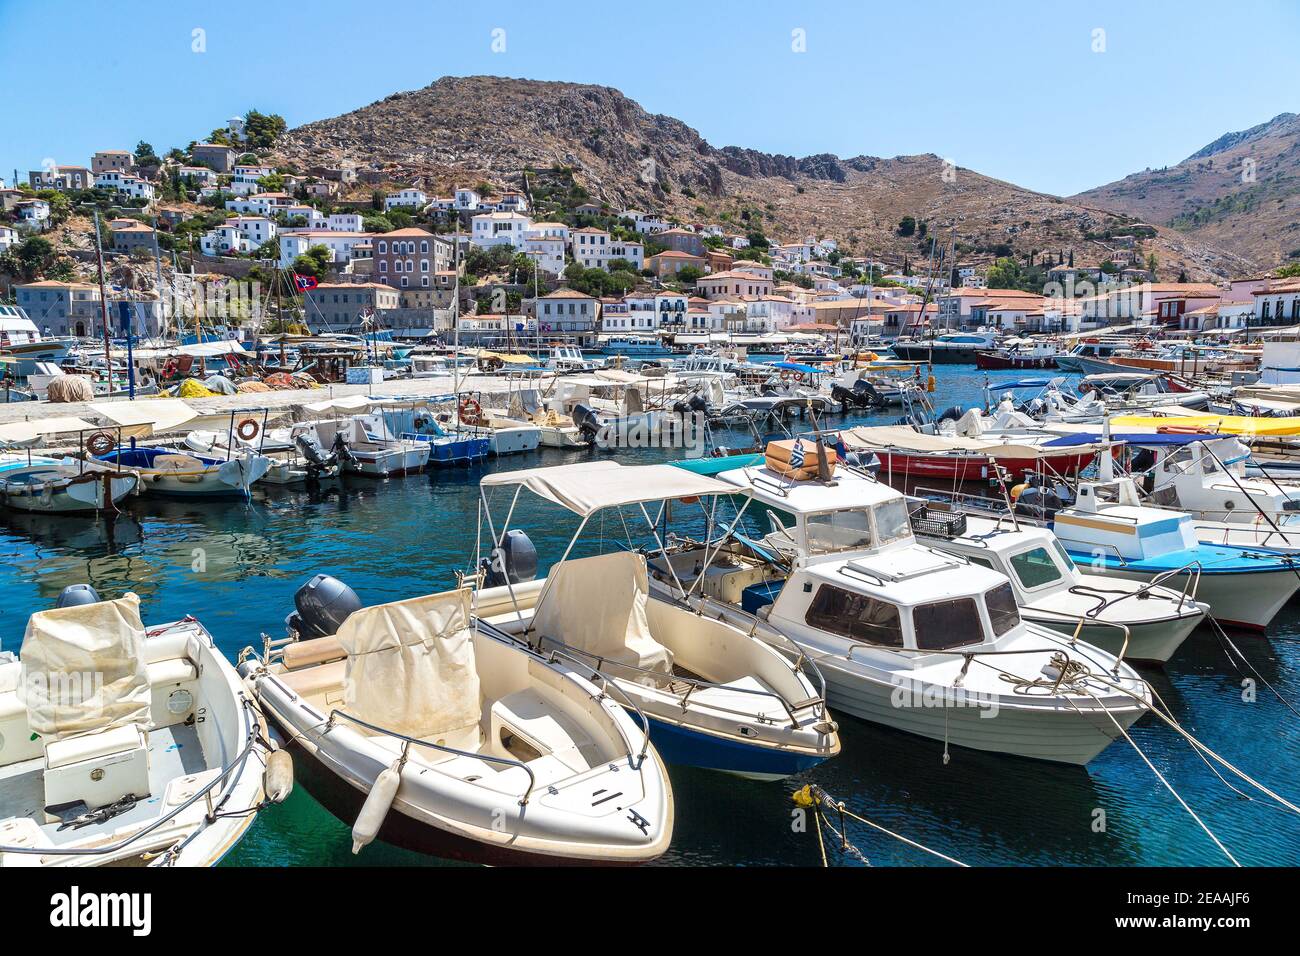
<point>716,697</point>
<point>905,635</point>
<point>126,746</point>
<point>438,733</point>
<point>293,462</point>
<point>372,448</point>
<point>1137,621</point>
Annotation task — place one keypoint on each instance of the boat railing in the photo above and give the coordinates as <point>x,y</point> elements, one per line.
<point>971,654</point>
<point>1192,571</point>
<point>407,741</point>
<point>694,684</point>
<point>214,805</point>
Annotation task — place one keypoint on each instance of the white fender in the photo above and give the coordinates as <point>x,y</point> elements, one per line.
<point>277,778</point>
<point>375,809</point>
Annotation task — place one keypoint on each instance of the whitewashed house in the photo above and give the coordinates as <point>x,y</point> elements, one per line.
<point>409,198</point>
<point>499,228</point>
<point>133,186</point>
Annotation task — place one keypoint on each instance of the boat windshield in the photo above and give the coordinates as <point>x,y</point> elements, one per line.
<point>1066,560</point>
<point>946,624</point>
<point>1035,568</point>
<point>838,531</point>
<point>892,521</point>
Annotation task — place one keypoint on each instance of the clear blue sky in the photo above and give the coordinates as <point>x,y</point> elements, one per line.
<point>1011,89</point>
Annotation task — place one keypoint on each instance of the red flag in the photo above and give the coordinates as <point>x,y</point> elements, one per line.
<point>304,283</point>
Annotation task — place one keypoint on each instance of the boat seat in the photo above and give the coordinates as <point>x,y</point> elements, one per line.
<point>96,769</point>
<point>313,681</point>
<point>60,753</point>
<point>177,670</point>
<point>319,650</point>
<point>526,714</point>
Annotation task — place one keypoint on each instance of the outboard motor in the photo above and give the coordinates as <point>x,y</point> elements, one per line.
<point>1035,501</point>
<point>587,422</point>
<point>513,563</point>
<point>76,595</point>
<point>951,414</point>
<point>698,403</point>
<point>870,391</point>
<point>317,461</point>
<point>323,604</point>
<point>340,451</point>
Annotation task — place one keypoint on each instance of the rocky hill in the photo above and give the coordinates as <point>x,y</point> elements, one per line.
<point>1241,193</point>
<point>459,130</point>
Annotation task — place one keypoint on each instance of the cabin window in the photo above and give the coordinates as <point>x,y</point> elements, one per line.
<point>946,624</point>
<point>856,616</point>
<point>892,521</point>
<point>839,531</point>
<point>1003,613</point>
<point>1064,555</point>
<point>1035,568</point>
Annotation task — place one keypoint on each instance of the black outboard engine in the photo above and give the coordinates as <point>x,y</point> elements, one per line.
<point>951,414</point>
<point>872,393</point>
<point>318,462</point>
<point>323,604</point>
<point>1035,501</point>
<point>698,403</point>
<point>513,563</point>
<point>587,422</point>
<point>75,595</point>
<point>340,451</point>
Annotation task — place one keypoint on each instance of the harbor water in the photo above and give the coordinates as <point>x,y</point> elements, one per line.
<point>235,566</point>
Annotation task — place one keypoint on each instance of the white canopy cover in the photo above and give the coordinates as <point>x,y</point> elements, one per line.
<point>598,605</point>
<point>587,487</point>
<point>83,669</point>
<point>30,432</point>
<point>411,666</point>
<point>144,416</point>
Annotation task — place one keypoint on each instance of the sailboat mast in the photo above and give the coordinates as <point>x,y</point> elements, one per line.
<point>103,305</point>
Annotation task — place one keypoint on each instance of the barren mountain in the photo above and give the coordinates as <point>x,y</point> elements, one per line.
<point>1240,193</point>
<point>459,130</point>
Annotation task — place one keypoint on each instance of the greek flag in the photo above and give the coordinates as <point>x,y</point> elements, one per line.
<point>796,454</point>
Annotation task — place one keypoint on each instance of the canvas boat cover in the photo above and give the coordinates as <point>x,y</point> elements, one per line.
<point>83,669</point>
<point>411,667</point>
<point>903,438</point>
<point>598,605</point>
<point>587,487</point>
<point>142,417</point>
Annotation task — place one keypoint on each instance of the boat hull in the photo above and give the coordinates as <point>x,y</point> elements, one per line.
<point>1150,641</point>
<point>939,355</point>
<point>1060,735</point>
<point>972,467</point>
<point>990,361</point>
<point>1244,600</point>
<point>686,746</point>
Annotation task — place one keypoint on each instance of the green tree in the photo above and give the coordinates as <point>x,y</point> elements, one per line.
<point>261,130</point>
<point>907,226</point>
<point>145,155</point>
<point>30,259</point>
<point>316,262</point>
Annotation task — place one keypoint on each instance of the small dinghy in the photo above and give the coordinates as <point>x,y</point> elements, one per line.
<point>441,735</point>
<point>126,746</point>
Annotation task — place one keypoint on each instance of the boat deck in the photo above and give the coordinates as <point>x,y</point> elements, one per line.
<point>174,752</point>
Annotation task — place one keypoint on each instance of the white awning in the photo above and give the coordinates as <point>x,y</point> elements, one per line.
<point>26,433</point>
<point>587,487</point>
<point>144,416</point>
<point>344,404</point>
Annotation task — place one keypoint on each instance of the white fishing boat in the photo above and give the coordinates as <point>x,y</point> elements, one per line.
<point>1109,531</point>
<point>716,697</point>
<point>46,484</point>
<point>1139,621</point>
<point>905,636</point>
<point>438,733</point>
<point>122,745</point>
<point>506,436</point>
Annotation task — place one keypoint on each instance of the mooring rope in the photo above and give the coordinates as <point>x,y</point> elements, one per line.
<point>813,797</point>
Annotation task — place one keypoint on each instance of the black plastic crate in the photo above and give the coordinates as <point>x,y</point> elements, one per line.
<point>939,524</point>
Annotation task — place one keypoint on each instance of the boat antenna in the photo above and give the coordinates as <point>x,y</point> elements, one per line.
<point>103,305</point>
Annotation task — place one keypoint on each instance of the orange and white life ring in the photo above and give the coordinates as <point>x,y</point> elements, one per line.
<point>470,410</point>
<point>100,443</point>
<point>248,429</point>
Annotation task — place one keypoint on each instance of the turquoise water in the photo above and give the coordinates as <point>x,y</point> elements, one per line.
<point>235,566</point>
